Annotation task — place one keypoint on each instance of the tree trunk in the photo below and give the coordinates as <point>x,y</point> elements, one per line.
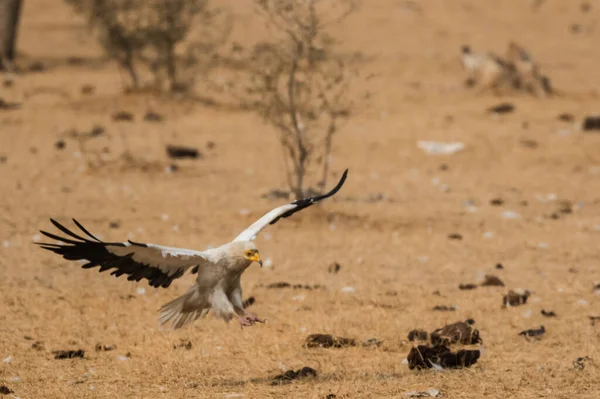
<point>10,11</point>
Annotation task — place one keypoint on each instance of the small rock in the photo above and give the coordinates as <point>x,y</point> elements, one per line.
<point>468,286</point>
<point>114,225</point>
<point>372,342</point>
<point>430,393</point>
<point>328,341</point>
<point>60,145</point>
<point>38,346</point>
<point>455,236</point>
<point>153,117</point>
<point>36,66</point>
<point>534,333</point>
<point>184,343</point>
<point>503,108</point>
<point>106,348</point>
<point>179,152</point>
<point>291,375</point>
<point>549,313</point>
<point>514,298</point>
<point>594,319</point>
<point>496,202</point>
<point>591,123</point>
<point>210,145</point>
<point>499,266</point>
<point>491,281</point>
<point>122,116</point>
<point>438,148</point>
<point>334,268</point>
<point>444,308</point>
<point>348,290</point>
<point>88,89</point>
<point>68,354</point>
<point>8,359</point>
<point>579,363</point>
<point>566,117</point>
<point>510,215</point>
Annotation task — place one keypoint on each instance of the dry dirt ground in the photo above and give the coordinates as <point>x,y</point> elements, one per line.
<point>397,243</point>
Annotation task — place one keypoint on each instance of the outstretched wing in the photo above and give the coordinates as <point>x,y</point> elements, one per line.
<point>285,211</point>
<point>159,265</point>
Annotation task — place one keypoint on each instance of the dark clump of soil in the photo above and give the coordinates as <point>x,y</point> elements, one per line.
<point>455,236</point>
<point>503,108</point>
<point>38,346</point>
<point>4,390</point>
<point>461,332</point>
<point>444,308</point>
<point>334,268</point>
<point>425,357</point>
<point>417,335</point>
<point>468,286</point>
<point>153,117</point>
<point>594,319</point>
<point>184,343</point>
<point>106,348</point>
<point>291,375</point>
<point>178,152</point>
<point>515,298</point>
<point>328,341</point>
<point>534,332</point>
<point>281,284</point>
<point>70,354</point>
<point>591,123</point>
<point>492,281</point>
<point>122,116</point>
<point>548,313</point>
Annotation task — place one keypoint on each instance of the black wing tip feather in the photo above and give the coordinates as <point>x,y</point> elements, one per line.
<point>306,202</point>
<point>96,253</point>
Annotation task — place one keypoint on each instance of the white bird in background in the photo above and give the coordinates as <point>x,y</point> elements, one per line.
<point>217,286</point>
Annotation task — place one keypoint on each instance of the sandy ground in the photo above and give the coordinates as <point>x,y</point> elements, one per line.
<point>396,244</point>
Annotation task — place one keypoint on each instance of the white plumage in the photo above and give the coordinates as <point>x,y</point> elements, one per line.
<point>218,270</point>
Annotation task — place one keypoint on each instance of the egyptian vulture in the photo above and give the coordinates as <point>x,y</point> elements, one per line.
<point>218,270</point>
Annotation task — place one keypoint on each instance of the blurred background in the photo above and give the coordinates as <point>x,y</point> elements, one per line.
<point>471,130</point>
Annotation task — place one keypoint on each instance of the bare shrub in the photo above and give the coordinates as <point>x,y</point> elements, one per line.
<point>172,40</point>
<point>299,83</point>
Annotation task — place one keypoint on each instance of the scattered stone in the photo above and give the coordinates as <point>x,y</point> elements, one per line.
<point>36,66</point>
<point>122,116</point>
<point>184,343</point>
<point>88,89</point>
<point>496,202</point>
<point>334,268</point>
<point>514,298</point>
<point>281,284</point>
<point>105,348</point>
<point>440,148</point>
<point>114,225</point>
<point>6,106</point>
<point>430,393</point>
<point>499,266</point>
<point>69,354</point>
<point>579,363</point>
<point>328,341</point>
<point>291,375</point>
<point>455,236</point>
<point>594,319</point>
<point>491,281</point>
<point>444,308</point>
<point>417,335</point>
<point>331,396</point>
<point>468,286</point>
<point>536,333</point>
<point>503,108</point>
<point>60,144</point>
<point>566,117</point>
<point>591,123</point>
<point>372,342</point>
<point>38,346</point>
<point>425,357</point>
<point>460,332</point>
<point>179,152</point>
<point>210,145</point>
<point>248,302</point>
<point>548,313</point>
<point>152,116</point>
<point>4,390</point>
